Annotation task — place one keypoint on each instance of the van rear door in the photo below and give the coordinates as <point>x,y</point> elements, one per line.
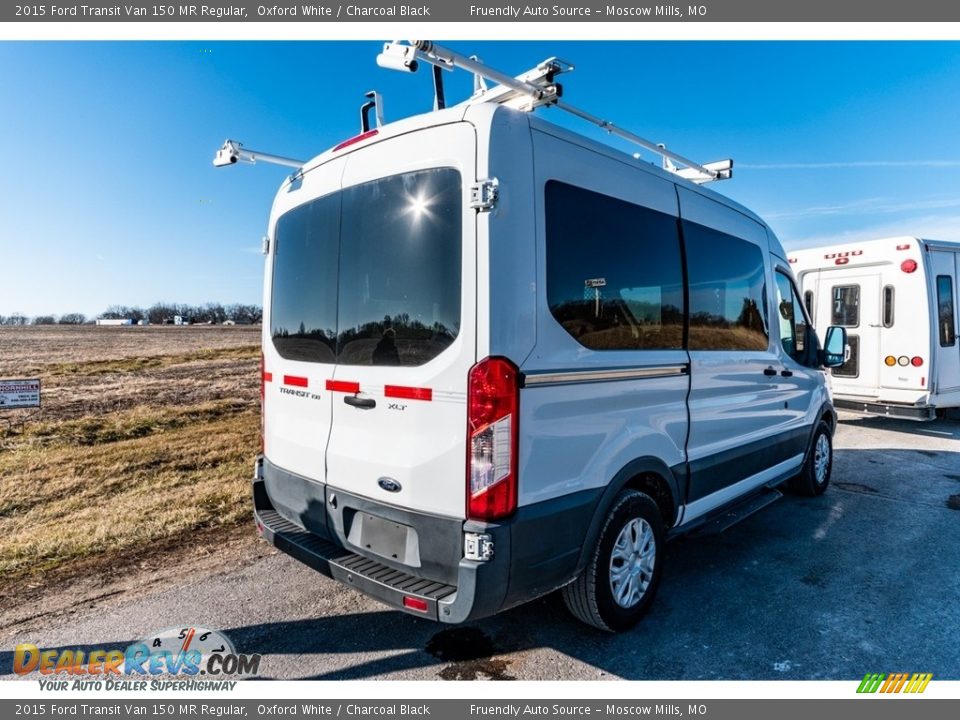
<point>406,334</point>
<point>300,303</point>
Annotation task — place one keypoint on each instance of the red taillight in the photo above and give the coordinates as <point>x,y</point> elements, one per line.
<point>916,361</point>
<point>415,603</point>
<point>493,403</point>
<point>908,266</point>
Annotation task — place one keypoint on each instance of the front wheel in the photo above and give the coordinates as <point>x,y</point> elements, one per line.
<point>616,588</point>
<point>814,476</point>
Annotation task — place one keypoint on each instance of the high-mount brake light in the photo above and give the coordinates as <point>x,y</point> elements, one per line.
<point>493,404</point>
<point>356,139</point>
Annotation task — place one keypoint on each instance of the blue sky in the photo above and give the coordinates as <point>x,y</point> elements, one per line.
<point>108,195</point>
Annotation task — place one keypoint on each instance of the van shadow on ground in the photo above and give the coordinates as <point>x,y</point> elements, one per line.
<point>805,589</point>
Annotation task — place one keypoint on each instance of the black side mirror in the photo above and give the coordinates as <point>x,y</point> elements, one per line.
<point>835,347</point>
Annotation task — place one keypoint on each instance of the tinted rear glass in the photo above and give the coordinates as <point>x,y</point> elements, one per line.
<point>303,313</point>
<point>371,275</point>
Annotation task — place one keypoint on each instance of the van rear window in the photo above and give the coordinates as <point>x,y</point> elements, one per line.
<point>370,275</point>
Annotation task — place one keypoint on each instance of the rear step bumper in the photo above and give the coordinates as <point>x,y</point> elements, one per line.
<point>442,602</point>
<point>906,412</point>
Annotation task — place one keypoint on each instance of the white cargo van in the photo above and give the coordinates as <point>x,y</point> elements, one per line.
<point>897,297</point>
<point>501,359</point>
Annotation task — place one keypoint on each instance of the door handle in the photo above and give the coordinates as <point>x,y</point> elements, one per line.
<point>359,402</point>
<point>769,372</point>
<point>787,373</point>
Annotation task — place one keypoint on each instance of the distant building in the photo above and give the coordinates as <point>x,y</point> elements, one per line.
<point>114,321</point>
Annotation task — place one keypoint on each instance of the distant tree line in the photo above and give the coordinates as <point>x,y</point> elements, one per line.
<point>156,314</point>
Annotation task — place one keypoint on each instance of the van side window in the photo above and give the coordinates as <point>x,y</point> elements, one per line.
<point>793,322</point>
<point>945,312</point>
<point>888,298</point>
<point>614,272</point>
<point>728,307</point>
<point>845,309</point>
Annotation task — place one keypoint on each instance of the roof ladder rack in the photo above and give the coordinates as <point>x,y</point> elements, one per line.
<point>534,89</point>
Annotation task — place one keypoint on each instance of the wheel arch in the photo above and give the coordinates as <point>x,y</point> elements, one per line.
<point>648,475</point>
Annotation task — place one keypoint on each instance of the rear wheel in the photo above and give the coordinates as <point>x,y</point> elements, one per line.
<point>814,476</point>
<point>621,578</point>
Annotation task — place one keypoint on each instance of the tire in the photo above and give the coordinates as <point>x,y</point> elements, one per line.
<point>814,476</point>
<point>632,537</point>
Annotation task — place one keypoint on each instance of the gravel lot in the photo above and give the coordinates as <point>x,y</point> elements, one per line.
<point>865,578</point>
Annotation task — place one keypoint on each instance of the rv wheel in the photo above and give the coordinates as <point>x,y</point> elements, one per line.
<point>815,474</point>
<point>615,589</point>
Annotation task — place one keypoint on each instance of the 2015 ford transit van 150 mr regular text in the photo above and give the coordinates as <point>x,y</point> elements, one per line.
<point>501,359</point>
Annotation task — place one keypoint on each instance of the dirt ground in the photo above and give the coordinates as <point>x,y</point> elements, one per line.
<point>144,442</point>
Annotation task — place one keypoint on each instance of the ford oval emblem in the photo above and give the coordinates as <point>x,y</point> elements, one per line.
<point>389,484</point>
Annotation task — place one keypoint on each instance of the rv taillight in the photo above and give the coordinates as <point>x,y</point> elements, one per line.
<point>916,361</point>
<point>908,266</point>
<point>889,361</point>
<point>493,404</point>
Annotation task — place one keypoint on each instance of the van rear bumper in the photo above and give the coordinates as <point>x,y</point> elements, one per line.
<point>427,598</point>
<point>549,537</point>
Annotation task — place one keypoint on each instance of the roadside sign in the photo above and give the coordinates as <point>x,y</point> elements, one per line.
<point>19,394</point>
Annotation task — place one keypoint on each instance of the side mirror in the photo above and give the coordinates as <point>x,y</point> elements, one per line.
<point>835,346</point>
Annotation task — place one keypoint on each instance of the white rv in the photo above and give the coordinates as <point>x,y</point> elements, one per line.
<point>897,298</point>
<point>500,358</point>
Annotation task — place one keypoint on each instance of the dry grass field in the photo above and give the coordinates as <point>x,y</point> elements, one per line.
<point>145,442</point>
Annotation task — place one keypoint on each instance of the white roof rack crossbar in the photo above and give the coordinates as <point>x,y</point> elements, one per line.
<point>537,88</point>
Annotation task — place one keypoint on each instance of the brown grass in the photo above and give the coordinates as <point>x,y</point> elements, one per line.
<point>148,440</point>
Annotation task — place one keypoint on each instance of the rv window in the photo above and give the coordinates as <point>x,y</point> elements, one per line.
<point>370,275</point>
<point>808,302</point>
<point>945,313</point>
<point>846,306</point>
<point>888,296</point>
<point>728,307</point>
<point>793,322</point>
<point>614,273</point>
